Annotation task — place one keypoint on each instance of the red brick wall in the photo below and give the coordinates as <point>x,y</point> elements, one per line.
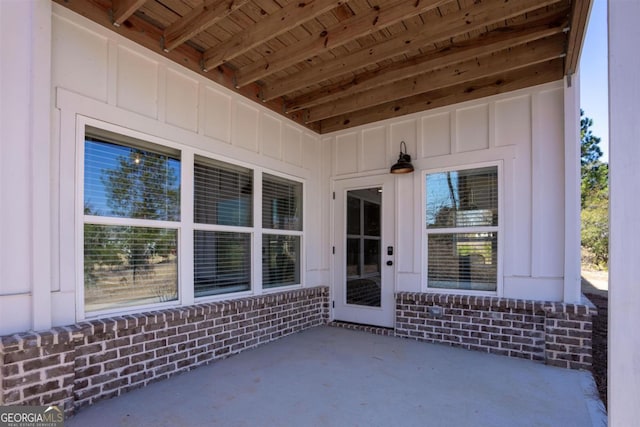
<point>77,365</point>
<point>556,333</point>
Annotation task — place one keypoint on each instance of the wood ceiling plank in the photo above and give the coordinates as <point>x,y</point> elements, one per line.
<point>500,83</point>
<point>579,18</point>
<point>479,15</point>
<point>199,19</point>
<point>473,69</point>
<point>343,32</point>
<point>284,20</point>
<point>486,44</point>
<point>123,9</point>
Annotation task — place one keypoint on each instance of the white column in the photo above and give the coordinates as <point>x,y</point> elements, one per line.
<point>624,214</point>
<point>40,141</point>
<point>572,290</point>
<point>25,137</point>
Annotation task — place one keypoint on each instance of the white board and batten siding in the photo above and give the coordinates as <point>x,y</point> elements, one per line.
<point>98,75</point>
<point>522,131</point>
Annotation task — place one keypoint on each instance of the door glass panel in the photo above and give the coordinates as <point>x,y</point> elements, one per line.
<point>353,215</point>
<point>371,218</point>
<point>363,247</point>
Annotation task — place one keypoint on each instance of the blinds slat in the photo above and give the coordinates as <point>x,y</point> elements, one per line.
<point>280,260</point>
<point>223,194</point>
<point>222,262</point>
<point>281,203</point>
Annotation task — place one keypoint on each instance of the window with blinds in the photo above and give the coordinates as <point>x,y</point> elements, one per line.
<point>131,208</point>
<point>281,239</point>
<point>133,225</point>
<point>462,229</point>
<point>281,203</point>
<point>223,210</point>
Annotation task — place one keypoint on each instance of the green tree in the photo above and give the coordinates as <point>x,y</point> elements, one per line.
<point>143,186</point>
<point>100,248</point>
<point>594,195</point>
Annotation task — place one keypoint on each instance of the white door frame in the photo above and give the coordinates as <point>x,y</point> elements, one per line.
<point>385,314</point>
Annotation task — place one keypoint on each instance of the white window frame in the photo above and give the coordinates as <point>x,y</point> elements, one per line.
<point>424,231</point>
<point>282,232</point>
<point>223,228</point>
<point>185,227</point>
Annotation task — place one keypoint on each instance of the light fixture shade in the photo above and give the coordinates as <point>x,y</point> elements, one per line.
<point>403,165</point>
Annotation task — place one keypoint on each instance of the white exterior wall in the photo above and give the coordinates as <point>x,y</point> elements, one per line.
<point>58,69</point>
<point>99,75</point>
<point>524,132</point>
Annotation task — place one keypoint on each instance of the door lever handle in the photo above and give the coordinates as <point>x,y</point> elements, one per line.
<point>389,262</point>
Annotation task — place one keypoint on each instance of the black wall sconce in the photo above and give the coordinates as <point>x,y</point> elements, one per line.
<point>403,165</point>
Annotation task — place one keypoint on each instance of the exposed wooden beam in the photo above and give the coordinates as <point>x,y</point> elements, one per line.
<point>290,16</point>
<point>123,9</point>
<point>475,17</point>
<point>487,43</point>
<point>147,35</point>
<point>579,18</point>
<point>199,19</point>
<point>472,69</point>
<point>500,83</point>
<point>360,25</point>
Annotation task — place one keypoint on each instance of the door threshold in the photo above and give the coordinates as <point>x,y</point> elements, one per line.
<point>378,330</point>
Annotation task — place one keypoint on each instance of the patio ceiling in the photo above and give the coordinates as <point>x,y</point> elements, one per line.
<point>331,65</point>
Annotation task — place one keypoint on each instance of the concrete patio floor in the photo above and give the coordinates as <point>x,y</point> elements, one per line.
<point>330,376</point>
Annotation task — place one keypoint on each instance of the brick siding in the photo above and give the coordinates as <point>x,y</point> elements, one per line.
<point>555,333</point>
<point>77,365</point>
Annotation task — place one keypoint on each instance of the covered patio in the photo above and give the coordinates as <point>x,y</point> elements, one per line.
<point>330,376</point>
<point>305,117</point>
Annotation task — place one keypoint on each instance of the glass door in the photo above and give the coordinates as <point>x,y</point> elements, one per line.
<point>363,246</point>
<point>364,278</point>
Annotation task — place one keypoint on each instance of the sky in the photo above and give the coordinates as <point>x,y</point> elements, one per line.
<point>594,86</point>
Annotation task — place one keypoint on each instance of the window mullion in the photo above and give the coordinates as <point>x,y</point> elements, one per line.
<point>186,260</point>
<point>256,267</point>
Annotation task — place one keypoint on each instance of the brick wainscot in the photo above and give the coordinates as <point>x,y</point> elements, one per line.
<point>555,333</point>
<point>79,364</point>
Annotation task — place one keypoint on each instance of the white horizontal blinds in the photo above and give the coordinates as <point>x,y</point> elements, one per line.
<point>222,262</point>
<point>125,266</point>
<point>281,242</point>
<point>462,229</point>
<point>463,260</point>
<point>130,182</point>
<point>281,203</point>
<point>223,198</point>
<point>131,191</point>
<point>280,260</point>
<point>223,194</point>
<point>466,198</point>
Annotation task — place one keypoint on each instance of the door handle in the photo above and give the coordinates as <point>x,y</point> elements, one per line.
<point>389,262</point>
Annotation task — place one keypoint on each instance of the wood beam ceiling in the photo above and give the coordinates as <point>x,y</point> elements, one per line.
<point>472,69</point>
<point>333,64</point>
<point>494,85</point>
<point>285,19</point>
<point>493,41</point>
<point>361,25</point>
<point>477,16</point>
<point>123,9</point>
<point>199,19</point>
